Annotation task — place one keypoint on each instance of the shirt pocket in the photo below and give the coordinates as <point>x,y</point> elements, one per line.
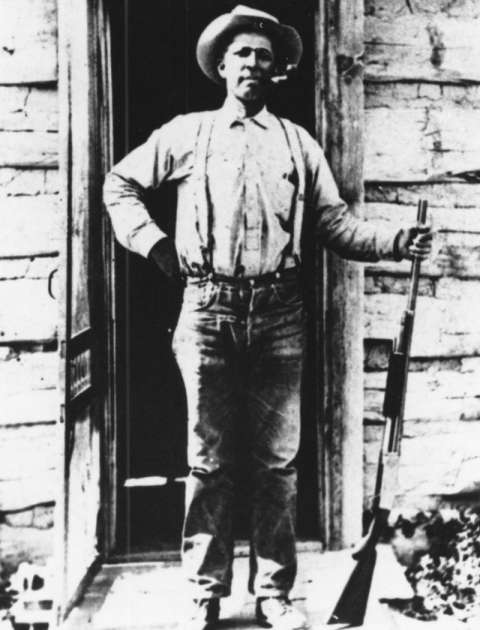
<point>279,160</point>
<point>283,192</point>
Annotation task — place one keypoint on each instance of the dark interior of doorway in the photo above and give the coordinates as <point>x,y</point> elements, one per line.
<point>155,77</point>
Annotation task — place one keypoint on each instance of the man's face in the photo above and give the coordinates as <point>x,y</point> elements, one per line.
<point>247,66</point>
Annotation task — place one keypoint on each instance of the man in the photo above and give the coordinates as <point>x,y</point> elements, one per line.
<point>247,184</point>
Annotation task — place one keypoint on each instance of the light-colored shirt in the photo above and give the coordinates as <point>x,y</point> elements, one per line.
<point>250,184</point>
<point>251,181</point>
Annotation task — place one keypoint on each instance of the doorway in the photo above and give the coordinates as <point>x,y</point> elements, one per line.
<point>155,77</point>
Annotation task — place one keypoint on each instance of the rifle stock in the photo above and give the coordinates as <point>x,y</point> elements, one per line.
<point>352,604</point>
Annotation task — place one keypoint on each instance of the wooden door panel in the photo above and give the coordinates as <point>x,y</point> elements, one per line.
<point>83,493</point>
<point>84,147</point>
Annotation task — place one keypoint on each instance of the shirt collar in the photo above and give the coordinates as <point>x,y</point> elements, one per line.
<point>229,114</point>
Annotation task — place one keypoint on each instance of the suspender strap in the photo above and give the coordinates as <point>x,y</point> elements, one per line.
<point>201,196</point>
<point>298,206</point>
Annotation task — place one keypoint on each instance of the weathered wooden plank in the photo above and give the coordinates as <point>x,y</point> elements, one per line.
<point>446,195</point>
<point>450,218</point>
<point>442,410</point>
<point>28,41</point>
<point>422,47</point>
<point>443,383</point>
<point>443,327</point>
<point>343,104</point>
<point>419,486</point>
<point>443,445</point>
<point>390,9</point>
<point>27,149</point>
<point>25,181</point>
<point>439,433</point>
<point>35,407</point>
<point>30,225</point>
<point>25,451</point>
<point>433,396</point>
<point>424,410</point>
<point>446,451</point>
<point>39,516</point>
<point>420,95</point>
<point>24,543</point>
<point>384,281</point>
<point>81,103</point>
<point>452,458</point>
<point>412,144</point>
<point>28,313</point>
<point>28,459</point>
<point>14,269</point>
<point>377,352</point>
<point>84,497</point>
<point>16,494</point>
<point>426,480</point>
<point>33,268</point>
<point>452,290</point>
<point>24,372</point>
<point>454,254</point>
<point>41,267</point>
<point>454,217</point>
<point>444,428</point>
<point>25,108</point>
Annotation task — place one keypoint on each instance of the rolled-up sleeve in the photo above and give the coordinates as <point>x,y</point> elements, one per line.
<point>146,167</point>
<point>341,231</point>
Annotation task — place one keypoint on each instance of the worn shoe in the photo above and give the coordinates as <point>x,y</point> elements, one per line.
<point>279,613</point>
<point>204,614</point>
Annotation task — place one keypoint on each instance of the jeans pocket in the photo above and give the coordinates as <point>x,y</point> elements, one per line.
<point>288,294</point>
<point>201,296</point>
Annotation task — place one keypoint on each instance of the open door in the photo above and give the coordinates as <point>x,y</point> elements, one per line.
<point>155,77</point>
<point>84,157</point>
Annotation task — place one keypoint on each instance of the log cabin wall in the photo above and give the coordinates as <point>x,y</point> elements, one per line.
<point>422,96</point>
<point>422,100</point>
<point>28,255</point>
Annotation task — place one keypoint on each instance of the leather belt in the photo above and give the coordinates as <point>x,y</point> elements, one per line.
<point>255,281</point>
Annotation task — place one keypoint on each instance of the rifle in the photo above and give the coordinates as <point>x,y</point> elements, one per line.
<point>352,605</point>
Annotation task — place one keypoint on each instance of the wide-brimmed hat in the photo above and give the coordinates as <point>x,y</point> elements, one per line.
<point>285,39</point>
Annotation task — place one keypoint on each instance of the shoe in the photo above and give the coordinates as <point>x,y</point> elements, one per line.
<point>280,614</point>
<point>204,615</point>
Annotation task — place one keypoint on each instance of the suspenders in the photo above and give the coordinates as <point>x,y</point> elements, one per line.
<point>201,195</point>
<point>298,206</point>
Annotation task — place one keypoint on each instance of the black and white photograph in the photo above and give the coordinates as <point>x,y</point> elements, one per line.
<point>239,314</point>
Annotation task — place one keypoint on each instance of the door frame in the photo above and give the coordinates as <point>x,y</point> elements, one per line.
<point>339,401</point>
<point>341,132</point>
<point>85,132</point>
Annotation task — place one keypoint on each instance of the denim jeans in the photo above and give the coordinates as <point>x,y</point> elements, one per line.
<point>239,346</point>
